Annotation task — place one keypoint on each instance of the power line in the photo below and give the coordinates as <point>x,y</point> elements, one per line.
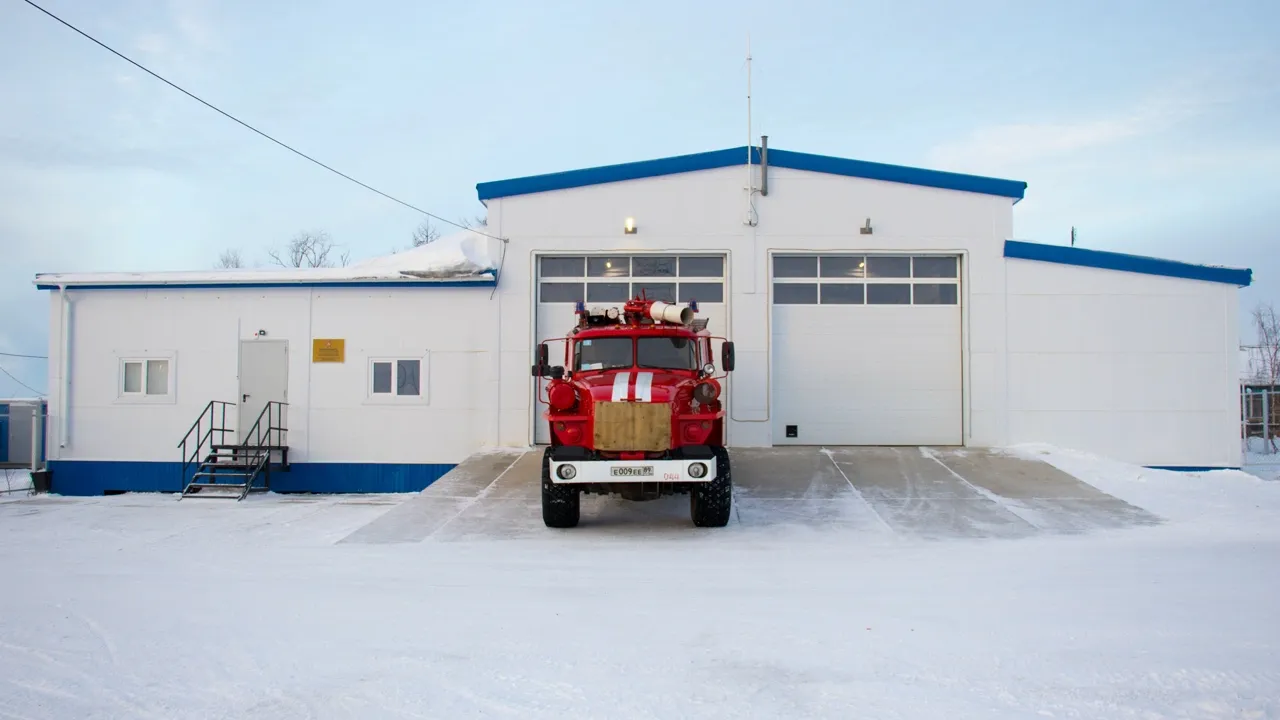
<point>19,355</point>
<point>237,120</point>
<point>11,377</point>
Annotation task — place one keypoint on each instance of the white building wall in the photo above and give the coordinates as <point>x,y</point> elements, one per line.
<point>1135,367</point>
<point>704,212</point>
<point>331,417</point>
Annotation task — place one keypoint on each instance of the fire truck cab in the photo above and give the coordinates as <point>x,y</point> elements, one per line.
<point>636,410</point>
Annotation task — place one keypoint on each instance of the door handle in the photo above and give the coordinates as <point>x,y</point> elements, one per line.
<point>244,397</point>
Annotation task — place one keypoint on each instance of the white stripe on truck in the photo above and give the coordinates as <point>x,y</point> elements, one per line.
<point>620,383</point>
<point>644,387</point>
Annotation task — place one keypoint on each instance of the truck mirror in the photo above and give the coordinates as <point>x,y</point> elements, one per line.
<point>726,356</point>
<point>541,366</point>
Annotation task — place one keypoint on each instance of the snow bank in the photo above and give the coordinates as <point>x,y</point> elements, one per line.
<point>464,255</point>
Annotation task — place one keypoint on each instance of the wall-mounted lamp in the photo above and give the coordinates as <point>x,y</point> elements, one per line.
<point>865,229</point>
<point>629,226</point>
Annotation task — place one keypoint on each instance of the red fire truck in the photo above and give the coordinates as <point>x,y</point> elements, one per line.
<point>636,410</point>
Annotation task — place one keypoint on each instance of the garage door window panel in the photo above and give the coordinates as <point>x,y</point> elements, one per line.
<point>607,292</point>
<point>702,267</point>
<point>561,267</point>
<point>560,292</point>
<point>843,293</point>
<point>654,266</point>
<point>843,266</point>
<point>610,267</point>
<point>664,292</point>
<point>795,266</point>
<point>889,266</point>
<point>889,294</point>
<point>935,293</point>
<point>795,293</point>
<point>702,292</point>
<point>934,267</point>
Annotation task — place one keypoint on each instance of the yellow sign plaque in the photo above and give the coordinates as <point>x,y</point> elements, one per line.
<point>328,350</point>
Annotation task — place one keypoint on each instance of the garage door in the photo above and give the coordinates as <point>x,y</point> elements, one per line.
<point>866,350</point>
<point>612,279</point>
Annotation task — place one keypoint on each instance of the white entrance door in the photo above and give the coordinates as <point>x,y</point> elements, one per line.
<point>264,377</point>
<point>866,350</point>
<point>612,279</point>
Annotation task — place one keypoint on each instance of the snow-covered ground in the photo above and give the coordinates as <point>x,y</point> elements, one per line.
<point>143,606</point>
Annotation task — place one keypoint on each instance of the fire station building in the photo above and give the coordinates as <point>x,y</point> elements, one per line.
<point>869,304</point>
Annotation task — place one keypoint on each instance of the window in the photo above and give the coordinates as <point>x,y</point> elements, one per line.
<point>144,377</point>
<point>667,353</point>
<point>795,293</point>
<point>612,279</point>
<point>889,294</point>
<point>563,292</point>
<point>396,378</point>
<point>602,354</point>
<point>607,292</point>
<point>785,266</point>
<point>866,279</point>
<point>842,293</point>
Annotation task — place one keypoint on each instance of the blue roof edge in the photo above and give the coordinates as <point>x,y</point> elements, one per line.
<point>1141,264</point>
<point>1014,189</point>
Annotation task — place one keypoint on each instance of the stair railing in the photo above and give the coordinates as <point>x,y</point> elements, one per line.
<point>212,421</point>
<point>273,433</point>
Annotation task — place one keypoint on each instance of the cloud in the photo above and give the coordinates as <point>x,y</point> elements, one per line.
<point>1018,145</point>
<point>47,154</point>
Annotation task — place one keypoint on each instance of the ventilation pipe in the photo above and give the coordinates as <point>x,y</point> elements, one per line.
<point>764,164</point>
<point>662,312</point>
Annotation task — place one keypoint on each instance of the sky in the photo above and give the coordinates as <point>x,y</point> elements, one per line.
<point>1152,126</point>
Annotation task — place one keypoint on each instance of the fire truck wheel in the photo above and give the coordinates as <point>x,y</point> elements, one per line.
<point>559,502</point>
<point>710,503</point>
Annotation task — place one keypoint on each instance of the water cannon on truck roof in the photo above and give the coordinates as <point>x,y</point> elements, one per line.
<point>636,410</point>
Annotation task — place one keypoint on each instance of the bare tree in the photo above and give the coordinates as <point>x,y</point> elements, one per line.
<point>230,259</point>
<point>425,233</point>
<point>1266,325</point>
<point>477,222</point>
<point>309,250</point>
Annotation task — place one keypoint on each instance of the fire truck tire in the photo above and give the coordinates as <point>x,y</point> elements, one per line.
<point>560,503</point>
<point>711,503</point>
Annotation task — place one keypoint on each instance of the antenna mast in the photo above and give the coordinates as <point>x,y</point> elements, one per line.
<point>749,220</point>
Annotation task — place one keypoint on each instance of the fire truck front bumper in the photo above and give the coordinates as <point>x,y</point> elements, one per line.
<point>593,472</point>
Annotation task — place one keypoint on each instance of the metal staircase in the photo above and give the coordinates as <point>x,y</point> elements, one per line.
<point>233,470</point>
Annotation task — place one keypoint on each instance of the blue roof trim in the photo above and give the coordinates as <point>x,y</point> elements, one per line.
<point>734,156</point>
<point>1064,255</point>
<point>246,285</point>
<point>1192,468</point>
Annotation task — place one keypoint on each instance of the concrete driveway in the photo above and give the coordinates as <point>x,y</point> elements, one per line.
<point>927,493</point>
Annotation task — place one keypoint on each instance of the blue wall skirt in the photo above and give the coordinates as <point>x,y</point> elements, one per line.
<point>99,477</point>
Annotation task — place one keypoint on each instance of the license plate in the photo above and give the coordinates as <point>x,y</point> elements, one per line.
<point>632,471</point>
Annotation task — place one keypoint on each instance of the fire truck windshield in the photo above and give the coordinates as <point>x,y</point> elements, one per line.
<point>662,353</point>
<point>667,353</point>
<point>602,354</point>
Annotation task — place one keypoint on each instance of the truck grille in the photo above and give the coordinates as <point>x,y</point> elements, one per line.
<point>632,426</point>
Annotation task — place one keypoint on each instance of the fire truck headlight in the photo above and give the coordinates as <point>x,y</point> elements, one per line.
<point>706,392</point>
<point>567,472</point>
<point>697,471</point>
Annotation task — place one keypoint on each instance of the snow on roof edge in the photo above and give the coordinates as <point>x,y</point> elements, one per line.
<point>464,257</point>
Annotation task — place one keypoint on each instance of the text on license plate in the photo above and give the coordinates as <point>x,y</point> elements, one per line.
<point>632,471</point>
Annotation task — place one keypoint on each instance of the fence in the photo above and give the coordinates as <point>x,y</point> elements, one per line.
<point>24,447</point>
<point>1260,419</point>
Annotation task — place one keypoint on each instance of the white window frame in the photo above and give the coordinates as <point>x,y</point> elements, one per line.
<point>391,398</point>
<point>912,280</point>
<point>631,279</point>
<point>142,397</point>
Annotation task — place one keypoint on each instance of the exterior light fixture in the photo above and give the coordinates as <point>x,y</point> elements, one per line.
<point>629,226</point>
<point>866,229</point>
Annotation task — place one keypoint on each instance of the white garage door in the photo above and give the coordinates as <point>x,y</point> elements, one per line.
<point>866,350</point>
<point>612,279</point>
